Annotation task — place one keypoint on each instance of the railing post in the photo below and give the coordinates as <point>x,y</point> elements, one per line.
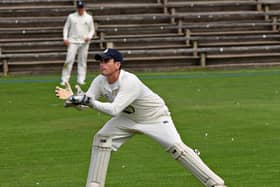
<point>188,35</point>
<point>101,45</point>
<point>109,45</point>
<point>259,6</point>
<point>173,12</point>
<point>203,60</point>
<point>180,25</point>
<point>195,47</point>
<point>5,67</point>
<point>266,10</point>
<point>274,24</point>
<point>165,9</point>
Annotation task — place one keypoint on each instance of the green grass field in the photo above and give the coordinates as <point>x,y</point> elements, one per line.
<point>232,117</point>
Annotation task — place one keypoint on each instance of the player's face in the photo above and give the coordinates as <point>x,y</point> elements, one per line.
<point>81,11</point>
<point>109,67</point>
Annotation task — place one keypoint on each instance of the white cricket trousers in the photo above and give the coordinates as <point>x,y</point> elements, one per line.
<point>73,49</point>
<point>121,129</point>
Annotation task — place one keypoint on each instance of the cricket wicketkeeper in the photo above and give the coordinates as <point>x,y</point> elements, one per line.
<point>135,109</point>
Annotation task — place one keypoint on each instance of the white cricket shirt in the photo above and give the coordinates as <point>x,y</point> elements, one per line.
<point>128,96</point>
<point>77,28</point>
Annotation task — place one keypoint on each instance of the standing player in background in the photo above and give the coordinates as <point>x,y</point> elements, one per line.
<point>135,110</point>
<point>77,33</point>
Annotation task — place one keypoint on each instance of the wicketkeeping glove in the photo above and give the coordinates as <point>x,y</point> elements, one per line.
<point>79,99</point>
<point>64,93</point>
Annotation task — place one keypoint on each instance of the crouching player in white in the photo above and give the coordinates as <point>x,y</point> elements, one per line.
<point>135,109</point>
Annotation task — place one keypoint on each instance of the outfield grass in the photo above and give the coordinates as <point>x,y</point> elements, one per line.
<point>232,117</point>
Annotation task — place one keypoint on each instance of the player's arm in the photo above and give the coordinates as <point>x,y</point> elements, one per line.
<point>66,31</point>
<point>91,30</point>
<point>128,92</point>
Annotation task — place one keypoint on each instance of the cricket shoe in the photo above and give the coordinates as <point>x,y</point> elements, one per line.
<point>62,83</point>
<point>81,82</point>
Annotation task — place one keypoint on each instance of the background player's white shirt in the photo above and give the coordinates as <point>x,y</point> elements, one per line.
<point>129,97</point>
<point>77,28</point>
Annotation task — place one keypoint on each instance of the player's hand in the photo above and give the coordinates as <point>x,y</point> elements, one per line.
<point>64,93</point>
<point>66,42</point>
<point>87,39</point>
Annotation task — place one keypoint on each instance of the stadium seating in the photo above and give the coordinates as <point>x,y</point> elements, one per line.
<point>150,33</point>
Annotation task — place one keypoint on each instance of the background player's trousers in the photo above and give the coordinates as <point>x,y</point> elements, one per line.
<point>82,51</point>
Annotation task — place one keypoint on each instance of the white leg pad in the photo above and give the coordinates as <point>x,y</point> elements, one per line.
<point>190,160</point>
<point>100,158</point>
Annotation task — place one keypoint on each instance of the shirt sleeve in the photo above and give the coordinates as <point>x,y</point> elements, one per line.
<point>66,28</point>
<point>128,92</point>
<point>91,28</point>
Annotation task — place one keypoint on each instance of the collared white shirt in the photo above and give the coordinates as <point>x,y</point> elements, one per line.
<point>128,96</point>
<point>77,28</point>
